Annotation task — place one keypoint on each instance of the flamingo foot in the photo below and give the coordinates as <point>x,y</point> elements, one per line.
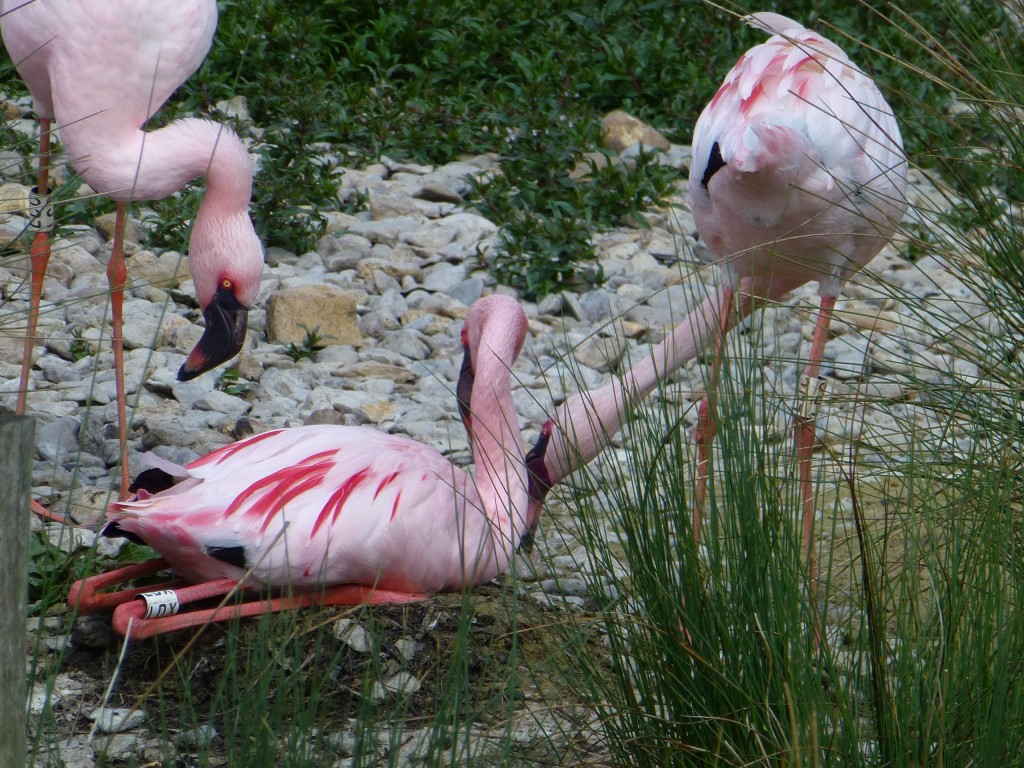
<point>142,612</point>
<point>48,514</point>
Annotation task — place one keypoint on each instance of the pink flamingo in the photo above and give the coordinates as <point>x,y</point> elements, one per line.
<point>798,174</point>
<point>101,70</point>
<point>320,506</point>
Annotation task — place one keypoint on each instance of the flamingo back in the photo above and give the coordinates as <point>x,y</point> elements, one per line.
<point>114,61</point>
<point>798,154</point>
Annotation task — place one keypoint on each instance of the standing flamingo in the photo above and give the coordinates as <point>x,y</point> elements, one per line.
<point>101,70</point>
<point>798,174</point>
<point>316,506</point>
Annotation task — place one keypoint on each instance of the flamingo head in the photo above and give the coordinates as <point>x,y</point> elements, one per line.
<point>226,287</point>
<point>539,484</point>
<point>226,321</point>
<point>464,387</point>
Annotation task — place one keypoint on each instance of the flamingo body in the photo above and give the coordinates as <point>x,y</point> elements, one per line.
<point>798,169</point>
<point>798,175</point>
<point>328,505</point>
<point>101,70</point>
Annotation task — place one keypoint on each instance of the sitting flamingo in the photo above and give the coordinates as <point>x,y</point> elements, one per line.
<point>319,506</point>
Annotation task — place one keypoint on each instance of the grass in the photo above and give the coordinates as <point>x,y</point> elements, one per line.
<point>689,657</point>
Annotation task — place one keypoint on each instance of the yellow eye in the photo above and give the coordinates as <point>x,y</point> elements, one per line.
<point>226,284</point>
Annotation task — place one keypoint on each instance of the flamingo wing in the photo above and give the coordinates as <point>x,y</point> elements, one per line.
<point>313,505</point>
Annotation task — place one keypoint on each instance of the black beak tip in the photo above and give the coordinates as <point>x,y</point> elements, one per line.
<point>226,321</point>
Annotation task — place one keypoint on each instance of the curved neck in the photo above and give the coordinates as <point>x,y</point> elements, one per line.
<point>150,165</point>
<point>584,424</point>
<point>500,476</point>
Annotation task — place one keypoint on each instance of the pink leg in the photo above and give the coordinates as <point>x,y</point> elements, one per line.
<point>40,256</point>
<point>804,434</point>
<point>85,595</point>
<point>704,434</point>
<point>117,276</point>
<point>129,618</point>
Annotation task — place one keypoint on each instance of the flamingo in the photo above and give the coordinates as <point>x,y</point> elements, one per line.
<point>798,174</point>
<point>781,214</point>
<point>326,505</point>
<point>100,70</point>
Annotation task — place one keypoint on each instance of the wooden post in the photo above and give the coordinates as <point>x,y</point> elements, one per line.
<point>16,451</point>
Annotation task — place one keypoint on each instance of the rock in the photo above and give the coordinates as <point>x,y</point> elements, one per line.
<point>14,198</point>
<point>58,440</point>
<point>201,738</point>
<point>293,312</point>
<point>237,108</point>
<point>467,291</point>
<point>77,752</point>
<point>602,353</point>
<point>106,222</point>
<point>117,719</point>
<point>400,684</point>
<point>620,130</point>
<point>353,635</point>
<point>167,270</point>
<point>221,402</point>
<point>443,277</point>
<point>93,631</point>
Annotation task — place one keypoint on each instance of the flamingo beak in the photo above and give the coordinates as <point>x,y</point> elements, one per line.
<point>539,483</point>
<point>464,392</point>
<point>226,320</point>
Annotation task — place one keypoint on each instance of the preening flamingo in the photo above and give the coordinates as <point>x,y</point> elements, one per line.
<point>317,506</point>
<point>100,70</point>
<point>798,174</point>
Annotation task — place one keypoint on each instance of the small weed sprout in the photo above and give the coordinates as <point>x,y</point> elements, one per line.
<point>311,342</point>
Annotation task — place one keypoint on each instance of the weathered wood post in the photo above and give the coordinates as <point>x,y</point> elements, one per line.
<point>16,448</point>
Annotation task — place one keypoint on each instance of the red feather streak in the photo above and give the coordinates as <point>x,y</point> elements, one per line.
<point>385,483</point>
<point>332,509</point>
<point>268,494</point>
<point>230,450</point>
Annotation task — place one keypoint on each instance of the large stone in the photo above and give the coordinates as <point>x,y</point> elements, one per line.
<point>13,198</point>
<point>167,270</point>
<point>291,312</point>
<point>620,130</point>
<point>107,222</point>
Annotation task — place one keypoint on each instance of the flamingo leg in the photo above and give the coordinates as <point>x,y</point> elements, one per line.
<point>706,424</point>
<point>40,257</point>
<point>804,432</point>
<point>117,276</point>
<point>136,619</point>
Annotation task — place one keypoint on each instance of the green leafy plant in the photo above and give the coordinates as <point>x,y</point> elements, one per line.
<point>548,216</point>
<point>231,382</point>
<point>310,343</point>
<point>80,347</point>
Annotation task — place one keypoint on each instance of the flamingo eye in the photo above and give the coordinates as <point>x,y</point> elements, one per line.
<point>226,284</point>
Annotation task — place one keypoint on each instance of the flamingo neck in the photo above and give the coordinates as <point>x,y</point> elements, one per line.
<point>501,479</point>
<point>583,425</point>
<point>151,165</point>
